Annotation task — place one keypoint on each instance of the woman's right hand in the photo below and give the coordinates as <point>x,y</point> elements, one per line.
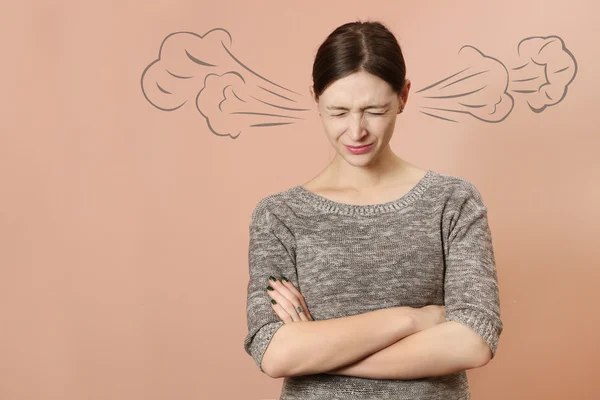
<point>429,316</point>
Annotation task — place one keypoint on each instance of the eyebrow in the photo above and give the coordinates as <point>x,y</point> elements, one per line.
<point>364,108</point>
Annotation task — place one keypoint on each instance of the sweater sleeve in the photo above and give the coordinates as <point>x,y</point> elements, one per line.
<point>271,252</point>
<point>471,293</point>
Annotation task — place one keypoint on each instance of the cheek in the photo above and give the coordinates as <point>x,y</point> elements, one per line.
<point>384,124</point>
<point>332,133</point>
<point>334,128</point>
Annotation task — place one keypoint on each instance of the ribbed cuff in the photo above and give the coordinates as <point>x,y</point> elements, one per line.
<point>488,328</point>
<point>261,341</point>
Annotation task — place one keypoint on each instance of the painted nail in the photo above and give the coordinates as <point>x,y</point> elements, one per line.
<point>273,301</point>
<point>272,278</point>
<point>270,288</point>
<point>283,278</point>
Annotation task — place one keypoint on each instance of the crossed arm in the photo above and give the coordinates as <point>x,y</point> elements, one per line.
<point>441,350</point>
<point>382,344</point>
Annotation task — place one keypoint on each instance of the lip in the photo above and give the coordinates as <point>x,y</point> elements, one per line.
<point>359,149</point>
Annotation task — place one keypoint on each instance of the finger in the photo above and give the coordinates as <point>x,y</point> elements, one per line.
<point>292,304</point>
<point>299,303</point>
<point>299,308</point>
<point>281,313</point>
<point>284,303</point>
<point>300,298</point>
<point>285,291</point>
<point>303,314</point>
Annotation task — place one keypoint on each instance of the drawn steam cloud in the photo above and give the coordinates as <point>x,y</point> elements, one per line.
<point>229,95</point>
<point>232,97</point>
<point>482,90</point>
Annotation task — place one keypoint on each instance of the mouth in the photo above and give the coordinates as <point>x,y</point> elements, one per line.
<point>359,149</point>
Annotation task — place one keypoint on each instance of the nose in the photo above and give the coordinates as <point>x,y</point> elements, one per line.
<point>356,129</point>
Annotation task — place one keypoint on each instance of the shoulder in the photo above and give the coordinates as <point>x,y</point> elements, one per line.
<point>272,214</point>
<point>459,190</point>
<point>270,210</point>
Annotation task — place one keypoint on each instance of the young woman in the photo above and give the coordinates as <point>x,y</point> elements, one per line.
<point>375,279</point>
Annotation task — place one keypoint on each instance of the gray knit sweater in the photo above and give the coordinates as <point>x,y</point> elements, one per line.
<point>431,246</point>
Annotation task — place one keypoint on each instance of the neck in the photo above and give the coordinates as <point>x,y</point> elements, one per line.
<point>380,171</point>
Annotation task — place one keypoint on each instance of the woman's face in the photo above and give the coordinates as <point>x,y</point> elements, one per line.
<point>357,110</point>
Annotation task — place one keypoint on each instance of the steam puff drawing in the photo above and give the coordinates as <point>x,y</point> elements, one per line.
<point>482,90</point>
<point>232,97</point>
<point>228,94</point>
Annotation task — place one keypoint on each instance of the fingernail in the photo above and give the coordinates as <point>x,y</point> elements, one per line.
<point>283,278</point>
<point>273,301</point>
<point>270,288</point>
<point>273,278</point>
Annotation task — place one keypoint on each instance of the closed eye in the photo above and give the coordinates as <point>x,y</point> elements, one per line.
<point>339,115</point>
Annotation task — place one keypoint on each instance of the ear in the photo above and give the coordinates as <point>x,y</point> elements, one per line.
<point>403,96</point>
<point>405,91</point>
<point>312,94</point>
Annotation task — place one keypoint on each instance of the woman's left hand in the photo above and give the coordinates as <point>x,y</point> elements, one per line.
<point>290,305</point>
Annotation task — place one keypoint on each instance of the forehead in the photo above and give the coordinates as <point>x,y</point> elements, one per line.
<point>360,89</point>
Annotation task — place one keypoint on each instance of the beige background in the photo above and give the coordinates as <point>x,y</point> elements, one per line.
<point>123,228</point>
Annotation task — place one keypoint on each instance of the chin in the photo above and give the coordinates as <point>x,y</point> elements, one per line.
<point>359,160</point>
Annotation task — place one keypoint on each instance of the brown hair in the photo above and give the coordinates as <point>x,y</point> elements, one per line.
<point>368,46</point>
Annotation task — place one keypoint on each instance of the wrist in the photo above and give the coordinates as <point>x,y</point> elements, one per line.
<point>408,320</point>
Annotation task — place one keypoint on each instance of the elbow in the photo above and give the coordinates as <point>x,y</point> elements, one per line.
<point>265,347</point>
<point>278,365</point>
<point>279,359</point>
<point>271,362</point>
<point>484,354</point>
<point>483,334</point>
<point>273,369</point>
<point>270,368</point>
